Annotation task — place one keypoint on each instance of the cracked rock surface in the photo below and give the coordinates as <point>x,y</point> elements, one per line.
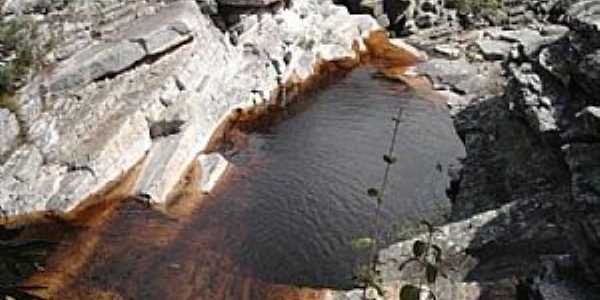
<point>93,116</point>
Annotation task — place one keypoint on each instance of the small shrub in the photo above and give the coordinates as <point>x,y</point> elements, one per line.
<point>18,38</point>
<point>8,102</point>
<point>475,7</point>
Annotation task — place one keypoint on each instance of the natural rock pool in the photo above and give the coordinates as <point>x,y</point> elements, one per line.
<point>286,211</point>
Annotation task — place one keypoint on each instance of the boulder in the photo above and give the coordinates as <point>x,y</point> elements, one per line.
<point>492,49</point>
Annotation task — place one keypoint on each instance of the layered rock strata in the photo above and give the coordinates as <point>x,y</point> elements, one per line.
<point>149,86</point>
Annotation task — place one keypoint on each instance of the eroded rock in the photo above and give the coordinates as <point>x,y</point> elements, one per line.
<point>493,50</point>
<point>9,131</point>
<point>212,167</point>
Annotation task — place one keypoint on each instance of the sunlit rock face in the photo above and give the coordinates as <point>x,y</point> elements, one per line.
<point>115,75</point>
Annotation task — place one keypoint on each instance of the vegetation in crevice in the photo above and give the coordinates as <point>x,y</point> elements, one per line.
<point>22,51</point>
<point>426,254</point>
<point>367,276</point>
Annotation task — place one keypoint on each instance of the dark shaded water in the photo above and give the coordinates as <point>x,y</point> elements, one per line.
<point>286,211</point>
<point>298,187</point>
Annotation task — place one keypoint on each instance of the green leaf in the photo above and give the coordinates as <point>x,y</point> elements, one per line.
<point>363,243</point>
<point>409,292</point>
<point>419,248</point>
<point>389,159</point>
<point>373,192</point>
<point>431,272</point>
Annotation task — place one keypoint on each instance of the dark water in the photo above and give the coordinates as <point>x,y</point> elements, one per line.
<point>298,187</point>
<point>285,213</point>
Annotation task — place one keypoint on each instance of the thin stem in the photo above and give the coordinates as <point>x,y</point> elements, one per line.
<point>372,254</point>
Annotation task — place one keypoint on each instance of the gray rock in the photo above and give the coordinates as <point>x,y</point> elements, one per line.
<point>585,127</point>
<point>170,27</point>
<point>212,167</point>
<point>25,6</point>
<point>493,50</point>
<point>554,30</point>
<point>247,3</point>
<point>96,62</point>
<point>584,15</point>
<point>448,50</point>
<point>260,67</point>
<point>584,163</point>
<point>449,72</point>
<point>528,40</point>
<point>9,131</point>
<point>588,74</point>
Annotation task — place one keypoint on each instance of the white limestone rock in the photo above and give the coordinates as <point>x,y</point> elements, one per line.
<point>88,119</point>
<point>9,131</point>
<point>212,167</point>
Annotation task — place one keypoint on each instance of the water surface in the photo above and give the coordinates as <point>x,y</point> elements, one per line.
<point>286,211</point>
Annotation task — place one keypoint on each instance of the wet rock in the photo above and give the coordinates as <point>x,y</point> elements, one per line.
<point>212,167</point>
<point>493,50</point>
<point>9,131</point>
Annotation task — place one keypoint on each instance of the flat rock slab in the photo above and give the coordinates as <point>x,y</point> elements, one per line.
<point>212,166</point>
<point>96,62</point>
<point>448,50</point>
<point>493,50</point>
<point>447,72</point>
<point>248,3</point>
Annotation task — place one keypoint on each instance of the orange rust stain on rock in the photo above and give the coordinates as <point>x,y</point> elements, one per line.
<point>193,264</point>
<point>382,53</point>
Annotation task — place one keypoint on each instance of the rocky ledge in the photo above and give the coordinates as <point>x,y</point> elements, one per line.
<point>526,203</point>
<point>147,84</point>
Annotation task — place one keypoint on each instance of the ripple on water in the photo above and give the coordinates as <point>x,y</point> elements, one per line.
<point>286,211</point>
<point>307,196</point>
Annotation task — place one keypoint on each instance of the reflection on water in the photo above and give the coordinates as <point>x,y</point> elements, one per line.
<point>284,215</point>
<point>298,187</point>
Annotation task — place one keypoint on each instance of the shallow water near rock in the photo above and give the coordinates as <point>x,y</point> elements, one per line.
<point>287,209</point>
